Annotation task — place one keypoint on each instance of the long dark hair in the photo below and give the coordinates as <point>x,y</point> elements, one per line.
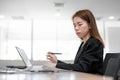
<point>89,17</point>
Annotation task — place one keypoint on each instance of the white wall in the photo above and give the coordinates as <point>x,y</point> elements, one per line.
<point>112,35</point>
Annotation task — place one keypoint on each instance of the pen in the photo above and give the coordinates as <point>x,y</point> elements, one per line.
<point>56,53</point>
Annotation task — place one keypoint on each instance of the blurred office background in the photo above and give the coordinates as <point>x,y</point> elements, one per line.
<point>39,26</point>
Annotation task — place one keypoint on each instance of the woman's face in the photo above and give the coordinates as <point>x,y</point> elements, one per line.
<point>81,27</point>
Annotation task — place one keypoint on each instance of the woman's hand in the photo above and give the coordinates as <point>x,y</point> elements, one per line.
<point>52,58</point>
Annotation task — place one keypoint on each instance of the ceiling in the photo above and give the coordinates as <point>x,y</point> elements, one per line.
<point>102,9</point>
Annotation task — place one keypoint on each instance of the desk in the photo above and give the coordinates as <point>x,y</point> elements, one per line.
<point>66,75</point>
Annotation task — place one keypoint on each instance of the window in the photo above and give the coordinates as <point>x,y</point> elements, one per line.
<point>37,37</point>
<point>55,36</point>
<point>14,33</point>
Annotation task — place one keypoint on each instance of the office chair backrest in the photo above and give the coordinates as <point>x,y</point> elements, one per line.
<point>112,68</point>
<point>107,57</point>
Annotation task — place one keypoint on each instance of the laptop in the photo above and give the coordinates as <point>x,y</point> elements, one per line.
<point>34,68</point>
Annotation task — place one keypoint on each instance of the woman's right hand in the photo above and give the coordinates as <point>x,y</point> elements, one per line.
<point>52,57</point>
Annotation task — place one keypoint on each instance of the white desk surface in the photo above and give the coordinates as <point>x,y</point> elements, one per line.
<point>65,75</point>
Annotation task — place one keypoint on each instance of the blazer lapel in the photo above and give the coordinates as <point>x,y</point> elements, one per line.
<point>78,53</point>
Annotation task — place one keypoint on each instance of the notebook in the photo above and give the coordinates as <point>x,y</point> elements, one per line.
<point>33,68</point>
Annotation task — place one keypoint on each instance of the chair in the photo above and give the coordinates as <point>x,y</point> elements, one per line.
<point>111,65</point>
<point>113,68</point>
<point>107,57</point>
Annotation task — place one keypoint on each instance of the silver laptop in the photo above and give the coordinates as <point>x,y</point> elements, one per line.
<point>29,65</point>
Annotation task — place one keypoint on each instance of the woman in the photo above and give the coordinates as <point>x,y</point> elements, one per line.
<point>89,57</point>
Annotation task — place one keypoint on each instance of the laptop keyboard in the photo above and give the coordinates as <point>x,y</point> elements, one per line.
<point>7,70</point>
<point>19,67</point>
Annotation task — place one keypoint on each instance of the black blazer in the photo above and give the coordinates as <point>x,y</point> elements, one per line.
<point>89,58</point>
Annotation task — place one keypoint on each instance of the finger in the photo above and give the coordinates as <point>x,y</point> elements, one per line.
<point>50,58</point>
<point>50,53</point>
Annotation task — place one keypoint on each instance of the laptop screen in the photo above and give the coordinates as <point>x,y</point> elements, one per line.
<point>24,57</point>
